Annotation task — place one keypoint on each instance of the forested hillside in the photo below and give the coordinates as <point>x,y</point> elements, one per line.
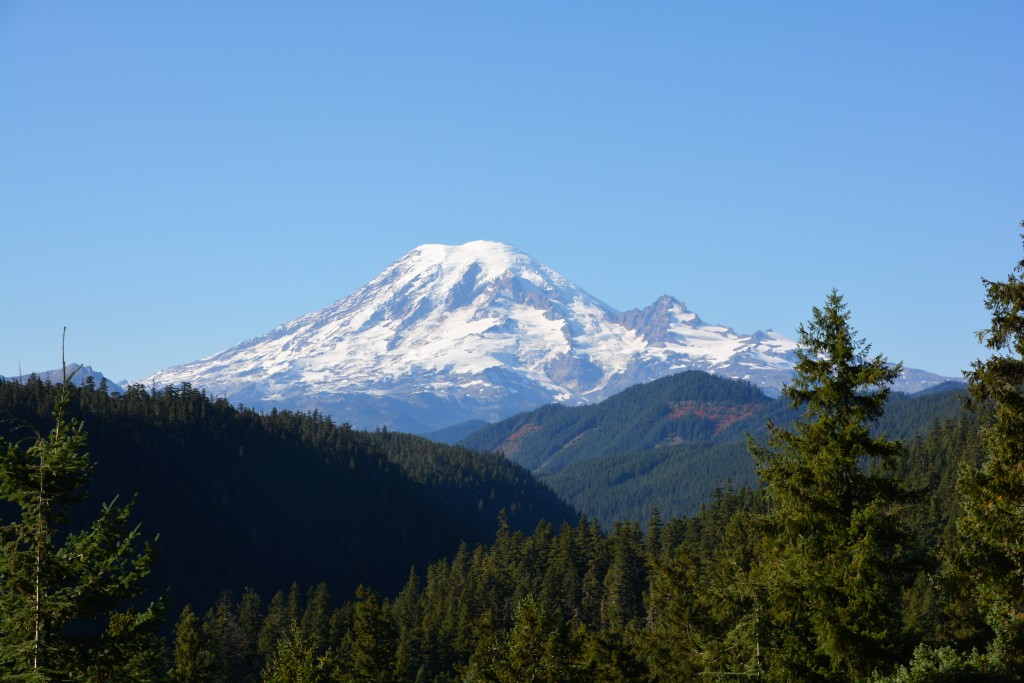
<point>856,558</point>
<point>579,603</point>
<point>670,443</point>
<point>689,406</point>
<point>243,499</point>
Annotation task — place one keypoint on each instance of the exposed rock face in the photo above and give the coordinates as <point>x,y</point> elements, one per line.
<point>478,331</point>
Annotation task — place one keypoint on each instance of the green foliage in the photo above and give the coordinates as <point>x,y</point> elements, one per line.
<point>992,525</point>
<point>688,600</point>
<point>66,595</point>
<point>370,646</point>
<point>193,661</point>
<point>676,616</point>
<point>831,571</point>
<point>689,406</point>
<point>626,578</point>
<point>242,499</point>
<point>835,560</point>
<point>670,443</point>
<point>677,480</point>
<point>483,484</point>
<point>538,647</point>
<point>298,660</point>
<point>941,665</point>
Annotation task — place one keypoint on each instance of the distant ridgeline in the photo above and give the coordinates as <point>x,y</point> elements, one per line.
<point>243,499</point>
<point>579,603</point>
<point>79,375</point>
<point>481,331</point>
<point>266,501</point>
<point>668,444</point>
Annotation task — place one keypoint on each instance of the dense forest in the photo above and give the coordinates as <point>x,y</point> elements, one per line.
<point>855,556</point>
<point>669,443</point>
<point>242,499</point>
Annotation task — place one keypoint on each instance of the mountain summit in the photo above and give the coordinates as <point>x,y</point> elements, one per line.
<point>482,330</point>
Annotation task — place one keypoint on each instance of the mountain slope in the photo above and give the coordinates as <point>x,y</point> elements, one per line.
<point>243,499</point>
<point>687,407</point>
<point>668,443</point>
<point>449,334</point>
<point>81,374</point>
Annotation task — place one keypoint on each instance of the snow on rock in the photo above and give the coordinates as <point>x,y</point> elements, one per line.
<point>478,331</point>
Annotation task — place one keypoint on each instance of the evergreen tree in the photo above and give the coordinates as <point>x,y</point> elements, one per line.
<point>193,661</point>
<point>626,579</point>
<point>275,627</point>
<point>371,644</point>
<point>675,636</point>
<point>222,637</point>
<point>408,615</point>
<point>992,525</point>
<point>298,661</point>
<point>250,620</point>
<point>538,647</point>
<point>835,559</point>
<point>65,595</point>
<point>315,625</point>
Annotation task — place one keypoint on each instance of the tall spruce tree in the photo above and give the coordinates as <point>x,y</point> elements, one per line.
<point>65,595</point>
<point>834,561</point>
<point>992,525</point>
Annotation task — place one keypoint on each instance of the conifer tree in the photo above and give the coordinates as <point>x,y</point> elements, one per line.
<point>992,525</point>
<point>298,661</point>
<point>371,644</point>
<point>674,636</point>
<point>222,638</point>
<point>275,626</point>
<point>193,661</point>
<point>626,578</point>
<point>250,620</point>
<point>65,595</point>
<point>539,647</point>
<point>835,557</point>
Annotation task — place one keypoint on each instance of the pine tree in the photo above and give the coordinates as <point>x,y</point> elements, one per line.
<point>626,578</point>
<point>315,625</point>
<point>275,627</point>
<point>835,559</point>
<point>65,595</point>
<point>298,661</point>
<point>371,644</point>
<point>538,647</point>
<point>674,636</point>
<point>250,621</point>
<point>992,525</point>
<point>193,661</point>
<point>221,636</point>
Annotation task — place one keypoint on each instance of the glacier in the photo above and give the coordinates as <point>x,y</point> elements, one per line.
<point>448,334</point>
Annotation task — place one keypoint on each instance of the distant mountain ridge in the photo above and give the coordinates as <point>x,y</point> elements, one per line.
<point>80,374</point>
<point>669,443</point>
<point>686,407</point>
<point>480,331</point>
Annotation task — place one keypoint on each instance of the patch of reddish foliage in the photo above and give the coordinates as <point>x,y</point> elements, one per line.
<point>722,414</point>
<point>514,441</point>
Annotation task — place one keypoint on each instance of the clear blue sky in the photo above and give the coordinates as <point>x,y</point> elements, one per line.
<point>178,177</point>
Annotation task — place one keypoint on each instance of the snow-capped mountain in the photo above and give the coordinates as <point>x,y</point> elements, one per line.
<point>452,333</point>
<point>79,375</point>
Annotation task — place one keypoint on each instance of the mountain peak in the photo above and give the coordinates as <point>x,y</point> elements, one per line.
<point>493,258</point>
<point>476,250</point>
<point>480,274</point>
<point>79,375</point>
<point>480,330</point>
